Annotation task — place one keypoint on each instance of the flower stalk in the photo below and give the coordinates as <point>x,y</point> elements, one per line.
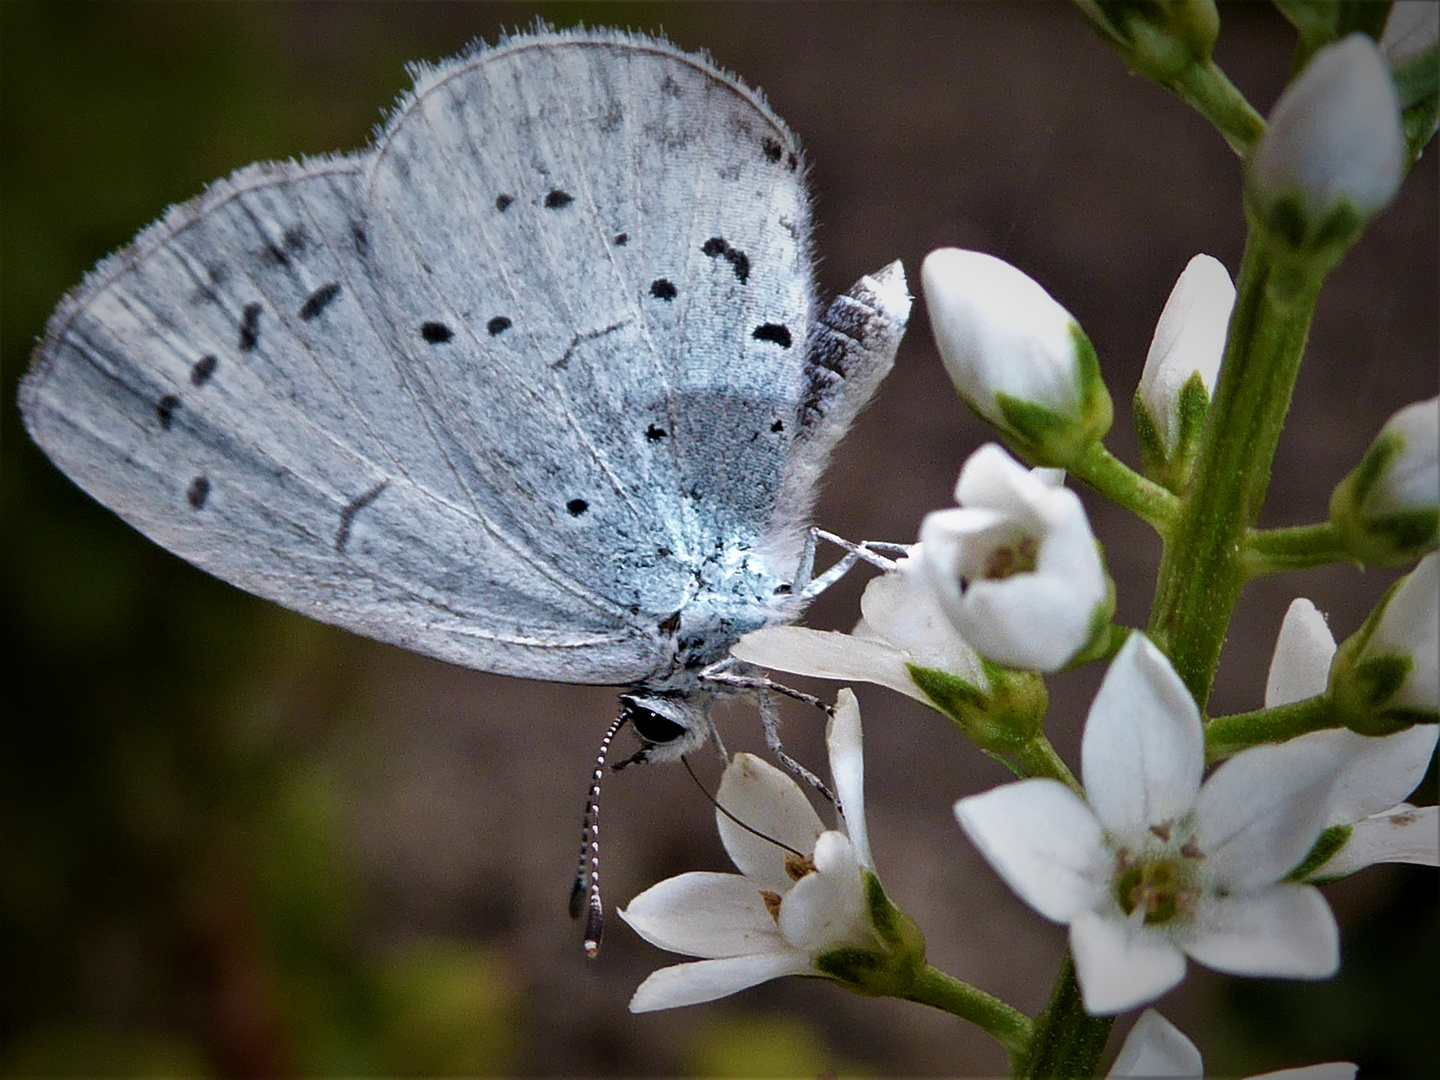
<point>1204,566</point>
<point>1011,1028</point>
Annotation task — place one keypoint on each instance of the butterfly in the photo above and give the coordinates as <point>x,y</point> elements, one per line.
<point>536,384</point>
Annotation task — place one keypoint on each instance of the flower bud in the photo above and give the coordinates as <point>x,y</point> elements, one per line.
<point>1157,40</point>
<point>1180,370</point>
<point>1388,509</point>
<point>1411,29</point>
<point>1386,676</point>
<point>1334,153</point>
<point>1016,356</point>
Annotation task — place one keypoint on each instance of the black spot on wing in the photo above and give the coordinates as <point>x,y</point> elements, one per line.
<point>773,150</point>
<point>775,332</point>
<point>576,507</point>
<point>717,247</point>
<point>165,410</point>
<point>498,325</point>
<point>319,300</point>
<point>778,426</point>
<point>203,369</point>
<point>198,492</point>
<point>350,509</point>
<point>436,333</point>
<point>296,239</point>
<point>250,327</point>
<point>655,433</point>
<point>502,202</point>
<point>556,199</point>
<point>621,239</point>
<point>662,289</point>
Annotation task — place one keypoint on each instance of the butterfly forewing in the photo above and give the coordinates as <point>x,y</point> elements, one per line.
<point>506,388</point>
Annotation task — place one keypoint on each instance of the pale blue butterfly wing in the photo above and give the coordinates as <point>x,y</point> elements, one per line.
<point>532,386</point>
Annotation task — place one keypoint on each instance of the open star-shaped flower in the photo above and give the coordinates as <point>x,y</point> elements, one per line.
<point>789,907</point>
<point>1152,866</point>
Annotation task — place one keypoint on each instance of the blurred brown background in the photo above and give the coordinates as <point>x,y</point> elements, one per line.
<point>236,842</point>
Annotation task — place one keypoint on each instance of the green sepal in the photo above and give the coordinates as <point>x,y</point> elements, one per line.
<point>1322,851</point>
<point>1045,437</point>
<point>1383,539</point>
<point>1362,688</point>
<point>1305,247</point>
<point>1172,470</point>
<point>1002,720</point>
<point>890,970</point>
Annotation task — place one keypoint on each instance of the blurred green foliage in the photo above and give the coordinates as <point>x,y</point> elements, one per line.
<point>177,894</point>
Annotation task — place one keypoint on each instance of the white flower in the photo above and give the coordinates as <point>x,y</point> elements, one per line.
<point>1156,1049</point>
<point>1387,509</point>
<point>1334,136</point>
<point>783,910</point>
<point>1011,349</point>
<point>1156,866</point>
<point>1189,342</point>
<point>1368,822</point>
<point>1016,567</point>
<point>1412,27</point>
<point>902,626</point>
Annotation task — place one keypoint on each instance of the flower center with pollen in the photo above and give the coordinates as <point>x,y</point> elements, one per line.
<point>1009,559</point>
<point>1162,885</point>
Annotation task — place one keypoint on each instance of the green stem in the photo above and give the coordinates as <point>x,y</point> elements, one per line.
<point>1118,482</point>
<point>1038,758</point>
<point>1226,735</point>
<point>1205,87</point>
<point>1068,1040</point>
<point>1203,568</point>
<point>1009,1027</point>
<point>1270,551</point>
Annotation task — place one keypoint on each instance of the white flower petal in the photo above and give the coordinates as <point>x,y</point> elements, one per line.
<point>705,914</point>
<point>1380,771</point>
<point>1402,834</point>
<point>1301,664</point>
<point>1143,751</point>
<point>706,980</point>
<point>769,802</point>
<point>902,608</point>
<point>1189,338</point>
<point>827,654</point>
<point>1120,964</point>
<point>992,478</point>
<point>1411,27</point>
<point>1030,621</point>
<point>1155,1049</point>
<point>1261,811</point>
<point>845,743</point>
<point>1044,841</point>
<point>826,908</point>
<point>1286,931</point>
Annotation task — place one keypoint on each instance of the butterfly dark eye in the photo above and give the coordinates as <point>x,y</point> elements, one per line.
<point>650,727</point>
